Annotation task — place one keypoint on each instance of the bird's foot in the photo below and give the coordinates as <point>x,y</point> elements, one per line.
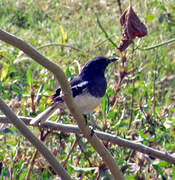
<point>86,119</point>
<point>92,131</point>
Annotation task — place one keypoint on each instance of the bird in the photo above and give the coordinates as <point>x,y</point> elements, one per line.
<point>88,89</point>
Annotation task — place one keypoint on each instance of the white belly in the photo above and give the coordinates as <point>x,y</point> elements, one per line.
<point>86,104</point>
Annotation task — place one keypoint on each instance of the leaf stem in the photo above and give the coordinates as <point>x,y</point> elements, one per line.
<point>157,45</point>
<point>106,34</point>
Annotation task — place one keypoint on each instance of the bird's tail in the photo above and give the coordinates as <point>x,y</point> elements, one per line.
<point>42,117</point>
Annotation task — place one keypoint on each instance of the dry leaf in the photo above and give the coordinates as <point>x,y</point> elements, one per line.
<point>132,27</point>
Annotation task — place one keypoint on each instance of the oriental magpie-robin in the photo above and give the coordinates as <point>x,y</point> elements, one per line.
<point>88,89</point>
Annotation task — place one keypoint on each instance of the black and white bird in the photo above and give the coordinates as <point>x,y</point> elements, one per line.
<point>88,89</point>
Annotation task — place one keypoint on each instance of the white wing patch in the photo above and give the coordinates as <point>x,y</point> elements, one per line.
<point>80,84</point>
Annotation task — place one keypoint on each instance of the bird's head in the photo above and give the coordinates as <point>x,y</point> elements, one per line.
<point>96,66</point>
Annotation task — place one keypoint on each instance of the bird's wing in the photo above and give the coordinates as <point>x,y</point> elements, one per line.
<point>79,88</point>
<point>57,96</point>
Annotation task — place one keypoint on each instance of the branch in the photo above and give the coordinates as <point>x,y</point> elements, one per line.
<point>34,140</point>
<point>158,45</point>
<point>119,5</point>
<point>67,128</point>
<point>57,44</point>
<point>63,45</point>
<point>59,74</point>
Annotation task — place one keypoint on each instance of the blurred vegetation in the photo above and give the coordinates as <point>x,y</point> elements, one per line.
<point>144,107</point>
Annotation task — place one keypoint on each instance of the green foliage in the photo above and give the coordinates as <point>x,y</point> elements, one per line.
<point>142,110</point>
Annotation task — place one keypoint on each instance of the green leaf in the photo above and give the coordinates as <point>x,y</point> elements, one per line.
<point>68,73</point>
<point>45,175</point>
<point>111,115</point>
<point>142,134</point>
<point>163,164</point>
<point>105,104</point>
<point>149,18</point>
<point>4,70</point>
<point>63,34</point>
<point>8,130</point>
<point>173,177</point>
<point>131,177</point>
<point>29,77</point>
<point>158,169</point>
<point>23,174</point>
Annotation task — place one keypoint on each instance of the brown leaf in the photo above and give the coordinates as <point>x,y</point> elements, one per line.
<point>132,27</point>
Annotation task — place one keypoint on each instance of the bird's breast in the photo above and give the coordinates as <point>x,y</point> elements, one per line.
<point>87,103</point>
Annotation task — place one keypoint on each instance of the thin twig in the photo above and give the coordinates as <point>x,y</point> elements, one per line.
<point>154,84</point>
<point>86,157</point>
<point>103,41</point>
<point>71,150</point>
<point>60,76</point>
<point>56,44</point>
<point>31,165</point>
<point>157,45</point>
<point>119,5</point>
<point>132,95</point>
<point>34,140</point>
<point>24,130</point>
<point>42,138</point>
<point>167,79</point>
<point>62,45</point>
<point>122,75</point>
<point>68,128</point>
<point>106,34</point>
<point>130,3</point>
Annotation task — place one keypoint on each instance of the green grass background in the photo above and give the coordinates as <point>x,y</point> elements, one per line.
<point>46,24</point>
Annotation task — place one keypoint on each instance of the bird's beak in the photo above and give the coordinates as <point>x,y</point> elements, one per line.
<point>112,60</point>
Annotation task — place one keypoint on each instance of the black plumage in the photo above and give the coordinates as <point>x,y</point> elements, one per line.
<point>88,88</point>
